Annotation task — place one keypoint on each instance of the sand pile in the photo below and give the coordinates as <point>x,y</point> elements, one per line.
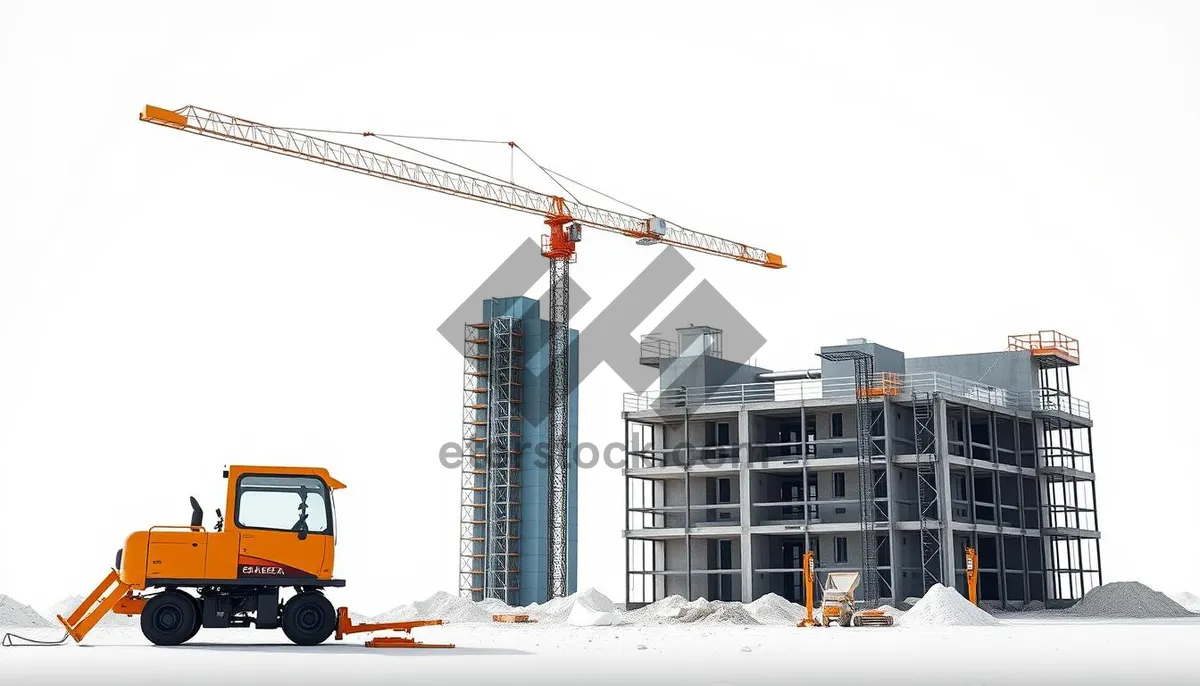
<point>69,604</point>
<point>442,605</point>
<point>674,610</point>
<point>1034,606</point>
<point>558,610</point>
<point>890,611</point>
<point>1127,599</point>
<point>1189,601</point>
<point>943,606</point>
<point>774,609</point>
<point>14,614</point>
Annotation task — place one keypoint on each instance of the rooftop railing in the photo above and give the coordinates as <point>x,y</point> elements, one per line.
<point>843,387</point>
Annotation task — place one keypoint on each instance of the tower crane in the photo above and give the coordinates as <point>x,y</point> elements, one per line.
<point>564,219</point>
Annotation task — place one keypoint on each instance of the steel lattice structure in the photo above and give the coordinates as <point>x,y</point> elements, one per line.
<point>927,488</point>
<point>564,219</point>
<point>503,449</point>
<point>473,503</point>
<point>864,373</point>
<point>557,428</point>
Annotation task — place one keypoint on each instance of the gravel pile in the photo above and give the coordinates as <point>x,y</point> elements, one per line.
<point>729,613</point>
<point>1126,599</point>
<point>943,606</point>
<point>16,615</point>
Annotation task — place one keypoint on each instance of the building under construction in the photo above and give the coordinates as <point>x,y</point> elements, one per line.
<point>875,461</point>
<point>505,512</point>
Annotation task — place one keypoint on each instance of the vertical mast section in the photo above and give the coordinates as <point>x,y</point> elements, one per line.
<point>559,247</point>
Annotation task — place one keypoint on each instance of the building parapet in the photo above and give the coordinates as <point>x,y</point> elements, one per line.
<point>802,390</point>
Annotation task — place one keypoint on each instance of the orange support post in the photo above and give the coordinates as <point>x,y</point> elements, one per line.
<point>809,572</point>
<point>972,576</point>
<point>346,627</point>
<point>111,593</point>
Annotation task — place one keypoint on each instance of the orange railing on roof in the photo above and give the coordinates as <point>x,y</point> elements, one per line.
<point>1047,344</point>
<point>888,384</point>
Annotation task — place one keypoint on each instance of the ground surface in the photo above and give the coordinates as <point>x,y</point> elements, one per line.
<point>1059,651</point>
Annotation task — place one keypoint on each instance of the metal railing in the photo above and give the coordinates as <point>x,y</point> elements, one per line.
<point>843,387</point>
<point>655,348</point>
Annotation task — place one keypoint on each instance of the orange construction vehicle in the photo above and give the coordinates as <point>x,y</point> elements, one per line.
<point>280,536</point>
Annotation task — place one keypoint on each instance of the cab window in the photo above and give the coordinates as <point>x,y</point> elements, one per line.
<point>283,503</point>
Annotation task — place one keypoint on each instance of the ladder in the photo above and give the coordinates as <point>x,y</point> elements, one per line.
<point>927,492</point>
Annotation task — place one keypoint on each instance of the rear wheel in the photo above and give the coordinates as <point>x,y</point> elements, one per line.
<point>170,618</point>
<point>844,618</point>
<point>308,618</point>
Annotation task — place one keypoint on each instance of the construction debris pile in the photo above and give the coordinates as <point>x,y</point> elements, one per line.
<point>1126,600</point>
<point>943,606</point>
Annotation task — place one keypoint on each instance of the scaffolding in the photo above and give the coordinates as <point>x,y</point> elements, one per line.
<point>1068,497</point>
<point>473,501</point>
<point>927,488</point>
<point>503,451</point>
<point>869,479</point>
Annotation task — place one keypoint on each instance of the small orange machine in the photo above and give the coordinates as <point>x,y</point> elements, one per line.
<point>280,535</point>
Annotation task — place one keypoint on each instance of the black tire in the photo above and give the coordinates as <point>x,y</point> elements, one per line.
<point>197,624</point>
<point>170,618</point>
<point>308,618</point>
<point>844,619</point>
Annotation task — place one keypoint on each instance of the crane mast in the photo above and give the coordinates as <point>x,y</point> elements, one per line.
<point>564,220</point>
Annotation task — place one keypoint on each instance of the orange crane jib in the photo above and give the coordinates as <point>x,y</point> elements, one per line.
<point>558,213</point>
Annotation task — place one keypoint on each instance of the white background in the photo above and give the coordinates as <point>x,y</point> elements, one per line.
<point>169,304</point>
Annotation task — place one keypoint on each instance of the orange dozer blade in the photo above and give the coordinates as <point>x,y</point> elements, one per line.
<point>93,608</point>
<point>346,627</point>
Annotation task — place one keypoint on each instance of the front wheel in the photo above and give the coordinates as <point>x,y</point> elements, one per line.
<point>170,618</point>
<point>308,618</point>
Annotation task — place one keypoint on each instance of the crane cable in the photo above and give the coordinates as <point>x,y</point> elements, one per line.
<point>553,175</point>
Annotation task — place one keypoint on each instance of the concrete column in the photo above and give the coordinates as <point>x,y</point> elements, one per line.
<point>744,503</point>
<point>943,486</point>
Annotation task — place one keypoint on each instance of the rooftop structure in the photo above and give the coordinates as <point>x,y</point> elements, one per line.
<point>735,471</point>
